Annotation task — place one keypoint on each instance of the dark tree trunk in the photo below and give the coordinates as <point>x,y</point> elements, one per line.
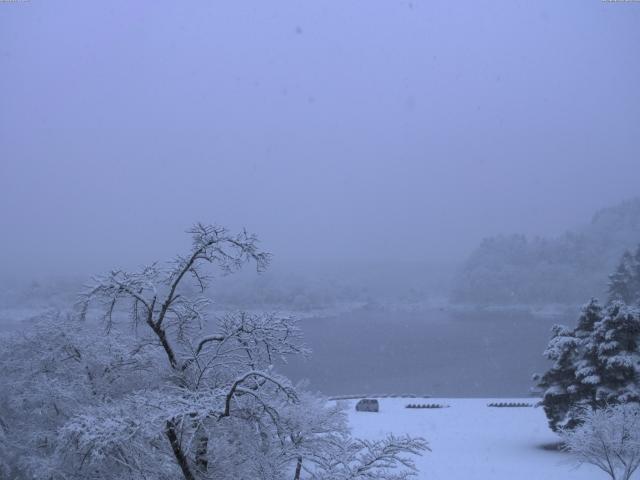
<point>298,469</point>
<point>162,336</point>
<point>202,448</point>
<point>181,458</point>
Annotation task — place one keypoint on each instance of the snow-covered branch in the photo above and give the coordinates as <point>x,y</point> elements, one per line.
<point>352,459</point>
<point>153,292</point>
<point>608,438</point>
<point>89,405</point>
<point>281,384</point>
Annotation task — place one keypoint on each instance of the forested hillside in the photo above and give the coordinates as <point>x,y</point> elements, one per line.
<point>514,269</point>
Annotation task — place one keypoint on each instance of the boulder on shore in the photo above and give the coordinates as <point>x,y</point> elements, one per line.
<point>367,405</point>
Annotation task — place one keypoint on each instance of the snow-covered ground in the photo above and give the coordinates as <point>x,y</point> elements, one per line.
<point>472,441</point>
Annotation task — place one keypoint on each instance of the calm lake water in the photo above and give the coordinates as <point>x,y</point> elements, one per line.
<point>435,352</point>
<point>431,352</point>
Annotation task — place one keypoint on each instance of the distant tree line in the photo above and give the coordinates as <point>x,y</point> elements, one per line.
<point>514,269</point>
<point>624,283</point>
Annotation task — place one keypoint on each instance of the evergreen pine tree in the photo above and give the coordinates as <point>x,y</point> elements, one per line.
<point>595,365</point>
<point>588,370</point>
<point>620,282</point>
<point>635,284</point>
<point>559,382</point>
<point>616,339</point>
<point>624,283</point>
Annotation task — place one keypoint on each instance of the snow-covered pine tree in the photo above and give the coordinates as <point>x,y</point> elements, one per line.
<point>624,283</point>
<point>587,368</point>
<point>615,341</point>
<point>559,382</point>
<point>595,365</point>
<point>635,285</point>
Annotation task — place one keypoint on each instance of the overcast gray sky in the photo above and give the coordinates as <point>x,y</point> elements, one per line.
<point>334,129</point>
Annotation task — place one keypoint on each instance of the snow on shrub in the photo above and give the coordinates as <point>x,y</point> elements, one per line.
<point>608,438</point>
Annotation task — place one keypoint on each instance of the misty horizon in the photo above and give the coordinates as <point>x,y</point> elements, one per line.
<point>319,240</point>
<point>372,132</point>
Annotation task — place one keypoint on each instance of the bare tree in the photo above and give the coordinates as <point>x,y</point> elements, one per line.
<point>608,438</point>
<point>233,360</point>
<point>154,293</point>
<point>175,398</point>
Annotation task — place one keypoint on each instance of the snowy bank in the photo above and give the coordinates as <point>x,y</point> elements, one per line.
<point>473,441</point>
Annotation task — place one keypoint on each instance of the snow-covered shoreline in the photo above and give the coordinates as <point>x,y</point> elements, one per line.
<point>470,440</point>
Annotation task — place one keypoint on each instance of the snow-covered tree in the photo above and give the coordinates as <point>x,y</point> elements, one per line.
<point>5,450</point>
<point>608,438</point>
<point>559,382</point>
<point>516,269</point>
<point>325,451</point>
<point>389,458</point>
<point>50,373</point>
<point>616,345</point>
<point>624,283</point>
<point>594,365</point>
<point>170,395</point>
<point>215,379</point>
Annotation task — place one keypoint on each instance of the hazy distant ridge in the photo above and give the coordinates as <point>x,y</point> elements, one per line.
<point>514,269</point>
